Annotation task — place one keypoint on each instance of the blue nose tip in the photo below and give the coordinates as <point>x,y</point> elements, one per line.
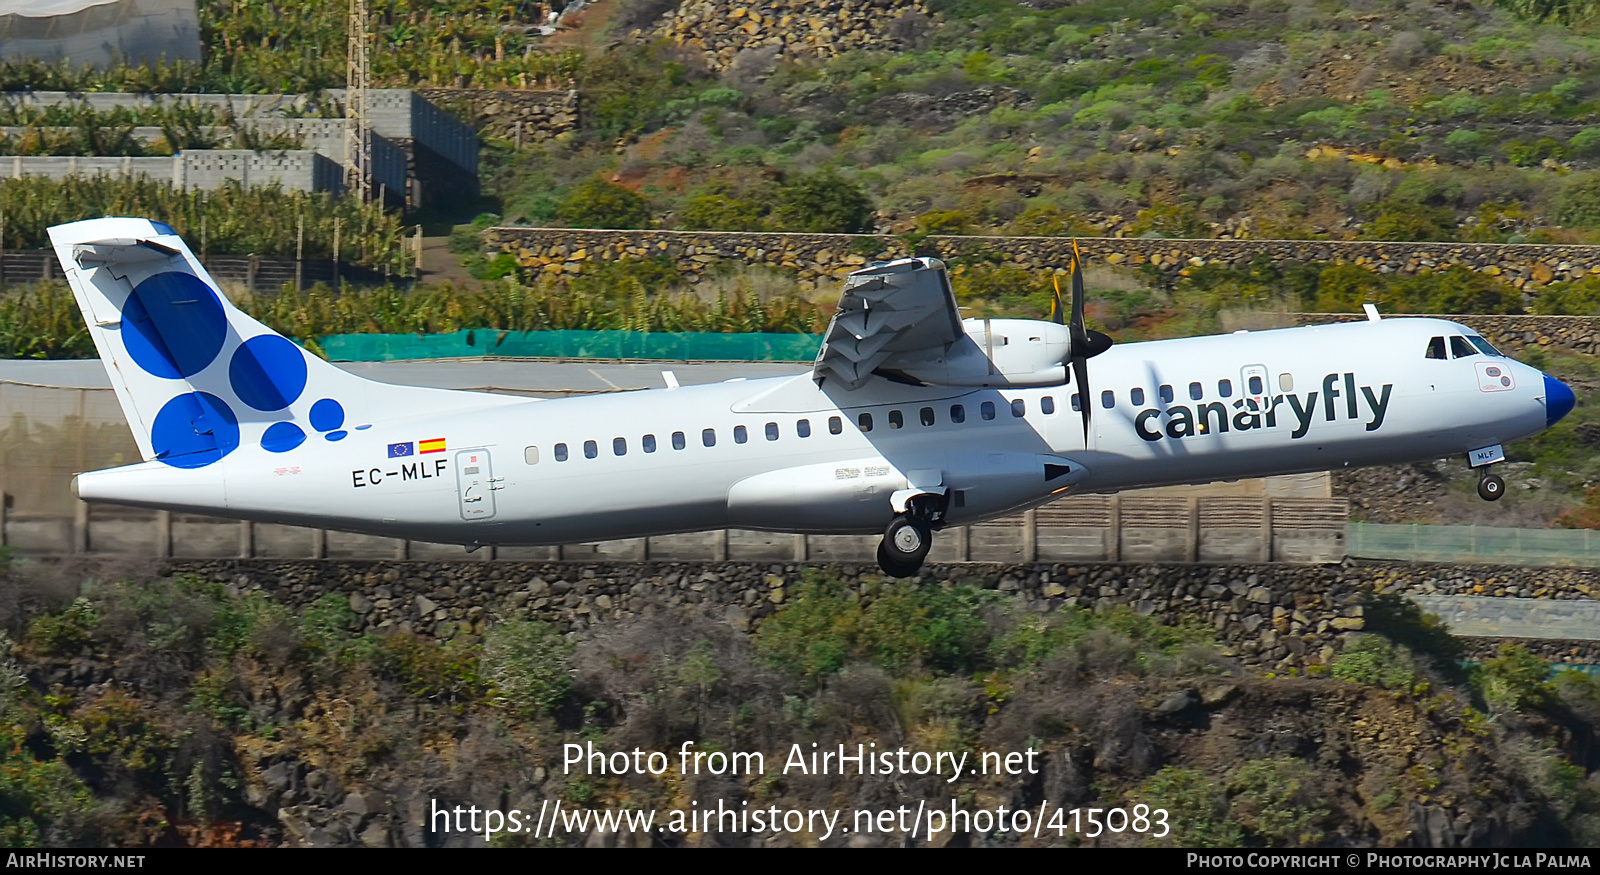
<point>1558,400</point>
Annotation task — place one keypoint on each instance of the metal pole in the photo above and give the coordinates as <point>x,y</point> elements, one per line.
<point>338,278</point>
<point>300,253</point>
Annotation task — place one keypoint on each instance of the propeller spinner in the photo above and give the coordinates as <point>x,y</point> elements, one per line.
<point>1086,344</point>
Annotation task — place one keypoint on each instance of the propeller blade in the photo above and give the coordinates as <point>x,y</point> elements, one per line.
<point>1058,313</point>
<point>1080,373</point>
<point>1077,292</point>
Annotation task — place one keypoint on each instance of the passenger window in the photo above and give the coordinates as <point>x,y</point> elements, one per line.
<point>649,442</point>
<point>678,441</point>
<point>1436,348</point>
<point>803,428</point>
<point>1286,382</point>
<point>709,437</point>
<point>590,449</point>
<point>835,425</point>
<point>1136,397</point>
<point>1019,408</point>
<point>1047,404</point>
<point>863,422</point>
<point>1196,392</point>
<point>1166,394</point>
<point>1460,348</point>
<point>1077,402</point>
<point>958,413</point>
<point>986,410</point>
<point>531,455</point>
<point>895,419</point>
<point>1108,399</point>
<point>772,431</point>
<point>926,415</point>
<point>619,446</point>
<point>740,434</point>
<point>1256,385</point>
<point>561,452</point>
<point>1225,388</point>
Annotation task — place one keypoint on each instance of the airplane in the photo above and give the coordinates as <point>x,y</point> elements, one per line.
<point>911,419</point>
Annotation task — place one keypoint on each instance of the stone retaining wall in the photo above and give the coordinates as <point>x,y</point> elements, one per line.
<point>520,116</point>
<point>723,29</point>
<point>1510,333</point>
<point>1273,617</point>
<point>831,256</point>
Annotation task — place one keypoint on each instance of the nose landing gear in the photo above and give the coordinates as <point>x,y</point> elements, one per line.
<point>1491,486</point>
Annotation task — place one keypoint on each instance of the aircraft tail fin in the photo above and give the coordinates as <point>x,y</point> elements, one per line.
<point>196,377</point>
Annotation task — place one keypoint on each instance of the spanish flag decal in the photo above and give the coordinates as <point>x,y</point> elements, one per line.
<point>433,445</point>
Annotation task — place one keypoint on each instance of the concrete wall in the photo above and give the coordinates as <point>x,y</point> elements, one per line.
<point>830,256</point>
<point>294,170</point>
<point>414,140</point>
<point>1091,528</point>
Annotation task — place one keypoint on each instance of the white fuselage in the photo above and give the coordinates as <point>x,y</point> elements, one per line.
<point>1302,399</point>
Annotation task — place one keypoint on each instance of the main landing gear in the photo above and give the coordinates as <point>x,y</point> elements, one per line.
<point>909,536</point>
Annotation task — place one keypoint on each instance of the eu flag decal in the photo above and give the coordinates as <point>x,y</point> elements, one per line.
<point>398,450</point>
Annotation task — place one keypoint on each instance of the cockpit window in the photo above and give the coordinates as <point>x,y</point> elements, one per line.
<point>1460,348</point>
<point>1436,348</point>
<point>1484,346</point>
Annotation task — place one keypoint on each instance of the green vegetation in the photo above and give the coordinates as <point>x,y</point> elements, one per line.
<point>231,219</point>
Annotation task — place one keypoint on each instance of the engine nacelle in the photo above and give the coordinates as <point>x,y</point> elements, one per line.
<point>999,353</point>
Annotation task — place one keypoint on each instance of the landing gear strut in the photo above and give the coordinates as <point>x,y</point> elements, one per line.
<point>909,536</point>
<point>1491,486</point>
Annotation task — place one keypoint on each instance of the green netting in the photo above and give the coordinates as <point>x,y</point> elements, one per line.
<point>573,344</point>
<point>1475,544</point>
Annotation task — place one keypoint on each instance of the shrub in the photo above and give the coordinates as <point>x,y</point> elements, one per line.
<point>718,212</point>
<point>527,665</point>
<point>1196,805</point>
<point>1514,679</point>
<point>1578,203</point>
<point>66,631</point>
<point>596,203</point>
<point>823,203</point>
<point>1276,799</point>
<point>1411,222</point>
<point>1171,221</point>
<point>1374,661</point>
<point>1343,288</point>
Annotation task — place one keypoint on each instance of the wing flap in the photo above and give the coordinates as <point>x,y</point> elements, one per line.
<point>903,309</point>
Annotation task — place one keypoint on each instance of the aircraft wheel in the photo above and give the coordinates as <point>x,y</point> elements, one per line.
<point>907,540</point>
<point>893,568</point>
<point>1491,487</point>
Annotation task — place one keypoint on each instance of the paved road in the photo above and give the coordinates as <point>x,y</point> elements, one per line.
<point>545,378</point>
<point>1490,617</point>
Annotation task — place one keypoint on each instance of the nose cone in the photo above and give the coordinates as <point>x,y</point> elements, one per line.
<point>1558,400</point>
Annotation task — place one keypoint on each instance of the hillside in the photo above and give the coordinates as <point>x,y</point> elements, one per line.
<point>175,707</point>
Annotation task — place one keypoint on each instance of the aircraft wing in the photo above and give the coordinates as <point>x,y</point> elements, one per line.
<point>900,312</point>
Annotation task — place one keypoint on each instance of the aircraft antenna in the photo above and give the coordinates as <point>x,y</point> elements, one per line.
<point>358,78</point>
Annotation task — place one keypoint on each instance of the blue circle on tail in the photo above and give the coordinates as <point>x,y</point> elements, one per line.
<point>327,415</point>
<point>194,430</point>
<point>281,437</point>
<point>173,325</point>
<point>267,372</point>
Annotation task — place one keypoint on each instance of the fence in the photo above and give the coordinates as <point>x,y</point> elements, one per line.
<point>682,346</point>
<point>1091,528</point>
<point>1494,546</point>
